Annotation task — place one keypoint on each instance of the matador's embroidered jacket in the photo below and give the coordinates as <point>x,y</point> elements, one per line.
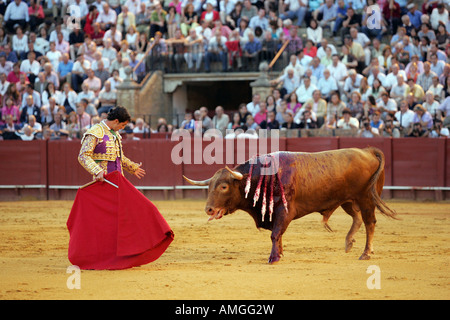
<point>101,150</point>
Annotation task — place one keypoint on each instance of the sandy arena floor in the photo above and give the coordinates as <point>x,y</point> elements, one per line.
<point>226,259</point>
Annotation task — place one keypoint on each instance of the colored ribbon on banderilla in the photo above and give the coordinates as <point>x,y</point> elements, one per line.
<point>269,181</point>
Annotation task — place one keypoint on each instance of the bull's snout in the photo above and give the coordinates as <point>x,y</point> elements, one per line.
<point>214,213</point>
<point>209,210</point>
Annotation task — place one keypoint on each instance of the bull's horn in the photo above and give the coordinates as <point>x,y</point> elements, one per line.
<point>198,183</point>
<point>236,175</point>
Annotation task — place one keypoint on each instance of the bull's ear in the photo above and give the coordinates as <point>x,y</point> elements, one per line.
<point>236,175</point>
<point>198,183</point>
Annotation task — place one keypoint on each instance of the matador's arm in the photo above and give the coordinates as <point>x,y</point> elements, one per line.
<point>129,165</point>
<point>85,156</point>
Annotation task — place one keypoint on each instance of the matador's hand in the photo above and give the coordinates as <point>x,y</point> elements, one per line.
<point>99,177</point>
<point>139,173</point>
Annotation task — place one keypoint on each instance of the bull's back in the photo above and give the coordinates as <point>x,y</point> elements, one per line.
<point>328,177</point>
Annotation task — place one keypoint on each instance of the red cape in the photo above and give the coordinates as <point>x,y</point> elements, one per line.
<point>115,228</point>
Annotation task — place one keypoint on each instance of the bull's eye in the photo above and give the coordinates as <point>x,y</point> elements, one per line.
<point>224,187</point>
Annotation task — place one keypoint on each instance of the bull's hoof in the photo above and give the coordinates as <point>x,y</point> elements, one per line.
<point>273,260</point>
<point>349,245</point>
<point>364,256</point>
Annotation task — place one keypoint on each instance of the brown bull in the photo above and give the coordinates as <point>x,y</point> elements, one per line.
<point>302,183</point>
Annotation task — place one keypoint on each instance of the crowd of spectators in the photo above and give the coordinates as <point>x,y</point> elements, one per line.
<point>384,68</point>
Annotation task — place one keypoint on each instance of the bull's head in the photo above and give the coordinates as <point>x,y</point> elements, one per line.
<point>224,193</point>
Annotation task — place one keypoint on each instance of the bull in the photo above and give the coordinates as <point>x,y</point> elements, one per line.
<point>301,183</point>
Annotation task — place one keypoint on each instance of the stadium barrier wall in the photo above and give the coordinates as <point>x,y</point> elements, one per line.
<point>415,168</point>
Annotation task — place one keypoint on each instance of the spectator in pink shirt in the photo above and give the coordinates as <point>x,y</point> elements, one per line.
<point>261,115</point>
<point>62,45</point>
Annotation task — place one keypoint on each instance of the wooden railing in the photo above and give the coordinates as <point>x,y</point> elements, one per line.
<point>279,53</point>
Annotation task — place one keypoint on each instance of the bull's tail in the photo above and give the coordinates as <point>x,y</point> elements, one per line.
<point>379,203</point>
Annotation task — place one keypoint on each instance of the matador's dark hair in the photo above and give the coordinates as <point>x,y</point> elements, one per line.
<point>119,113</point>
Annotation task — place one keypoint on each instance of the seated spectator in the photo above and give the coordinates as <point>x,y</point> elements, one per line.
<point>20,42</point>
<point>376,121</point>
<point>347,122</point>
<point>438,130</point>
<point>64,69</point>
<point>67,98</point>
<point>107,98</point>
<point>58,125</point>
<point>335,107</point>
<point>217,51</point>
<point>292,9</point>
<point>30,67</point>
<point>289,121</point>
<point>194,52</point>
<point>50,75</point>
<point>250,53</point>
<point>50,91</point>
<point>289,81</point>
<point>270,123</point>
<point>415,90</point>
<point>84,119</point>
<point>367,131</point>
<point>79,72</point>
<point>261,115</point>
<point>9,128</point>
<point>389,131</point>
<point>220,120</point>
<point>386,104</point>
<point>34,125</point>
<point>29,109</point>
<point>29,91</point>
<point>235,121</point>
<point>93,82</point>
<point>62,45</point>
<point>250,123</point>
<point>141,126</point>
<point>14,75</point>
<point>430,104</point>
<point>209,14</point>
<point>16,13</point>
<point>417,131</point>
<point>26,134</point>
<point>157,20</point>
<point>305,90</point>
<point>423,117</point>
<point>107,17</point>
<point>10,109</point>
<point>404,117</point>
<point>356,106</point>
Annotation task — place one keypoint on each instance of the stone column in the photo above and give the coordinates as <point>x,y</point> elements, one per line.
<point>262,84</point>
<point>128,94</point>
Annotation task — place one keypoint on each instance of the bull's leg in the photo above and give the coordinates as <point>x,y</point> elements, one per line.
<point>280,224</point>
<point>325,216</point>
<point>354,212</point>
<point>368,216</point>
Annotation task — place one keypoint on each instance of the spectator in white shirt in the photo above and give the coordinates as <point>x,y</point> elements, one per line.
<point>386,104</point>
<point>404,117</point>
<point>391,79</point>
<point>305,91</point>
<point>327,84</point>
<point>115,36</point>
<point>338,70</point>
<point>107,18</point>
<point>20,42</point>
<point>253,106</point>
<point>30,66</point>
<point>16,13</point>
<point>438,14</point>
<point>347,122</point>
